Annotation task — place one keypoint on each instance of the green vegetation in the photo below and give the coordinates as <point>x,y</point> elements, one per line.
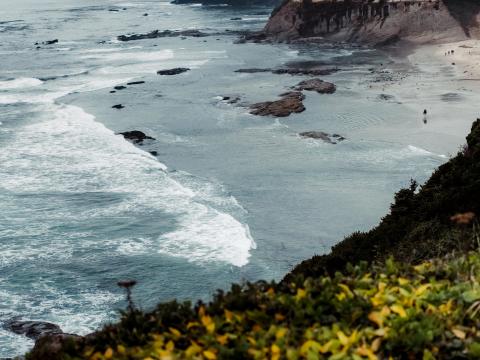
<point>418,226</point>
<point>393,303</point>
<point>429,311</point>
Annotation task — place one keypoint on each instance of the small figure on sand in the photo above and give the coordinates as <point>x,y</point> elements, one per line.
<point>425,116</point>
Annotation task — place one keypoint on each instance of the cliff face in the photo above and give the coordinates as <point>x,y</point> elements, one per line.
<point>376,21</point>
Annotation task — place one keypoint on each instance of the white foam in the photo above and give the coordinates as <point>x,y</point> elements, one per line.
<point>20,83</point>
<point>133,56</point>
<point>70,152</point>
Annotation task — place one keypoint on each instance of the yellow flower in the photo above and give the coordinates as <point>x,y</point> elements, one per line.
<point>301,293</point>
<point>170,346</point>
<point>398,309</point>
<point>346,290</point>
<point>209,354</point>
<point>208,323</point>
<point>365,351</point>
<point>222,339</point>
<point>280,333</point>
<point>192,350</point>
<point>175,332</point>
<point>275,350</point>
<point>108,353</point>
<point>228,315</point>
<point>310,345</point>
<point>121,349</point>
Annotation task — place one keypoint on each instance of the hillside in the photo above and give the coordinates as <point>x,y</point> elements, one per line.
<point>370,311</point>
<point>376,22</point>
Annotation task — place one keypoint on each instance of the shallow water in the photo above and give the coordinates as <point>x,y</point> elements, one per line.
<point>230,196</point>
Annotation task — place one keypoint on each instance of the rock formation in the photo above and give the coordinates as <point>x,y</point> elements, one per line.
<point>291,102</point>
<point>320,86</point>
<point>320,135</point>
<point>376,22</point>
<point>135,136</point>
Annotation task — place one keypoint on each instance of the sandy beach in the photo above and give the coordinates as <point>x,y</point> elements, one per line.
<point>445,85</point>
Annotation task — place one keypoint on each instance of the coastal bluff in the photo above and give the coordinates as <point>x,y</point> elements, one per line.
<point>376,22</point>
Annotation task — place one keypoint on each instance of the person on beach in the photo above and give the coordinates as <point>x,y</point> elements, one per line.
<point>425,116</point>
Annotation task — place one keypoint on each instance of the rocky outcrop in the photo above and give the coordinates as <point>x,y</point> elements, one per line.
<point>174,71</point>
<point>376,22</point>
<point>320,86</point>
<point>290,71</point>
<point>320,135</point>
<point>136,136</point>
<point>161,34</point>
<point>32,329</point>
<point>290,103</point>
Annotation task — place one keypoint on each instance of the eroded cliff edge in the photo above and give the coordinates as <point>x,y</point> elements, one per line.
<point>376,22</point>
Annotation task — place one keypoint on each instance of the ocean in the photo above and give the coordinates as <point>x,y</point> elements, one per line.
<point>228,197</point>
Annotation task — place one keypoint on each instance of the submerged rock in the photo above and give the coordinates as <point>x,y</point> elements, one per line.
<point>318,85</point>
<point>32,329</point>
<point>291,71</point>
<point>136,83</point>
<point>118,106</point>
<point>136,136</point>
<point>120,87</point>
<point>291,102</point>
<point>320,135</point>
<point>161,34</point>
<point>174,71</point>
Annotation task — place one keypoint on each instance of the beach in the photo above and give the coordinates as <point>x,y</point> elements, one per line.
<point>216,195</point>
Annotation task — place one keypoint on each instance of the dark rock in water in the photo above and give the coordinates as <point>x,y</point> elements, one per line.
<point>136,136</point>
<point>120,87</point>
<point>154,153</point>
<point>145,14</point>
<point>451,97</point>
<point>302,71</point>
<point>113,10</point>
<point>161,34</point>
<point>174,71</point>
<point>136,83</point>
<point>236,18</point>
<point>320,135</point>
<point>386,97</point>
<point>291,71</point>
<point>291,102</point>
<point>48,42</point>
<point>230,99</point>
<point>32,329</point>
<point>112,92</point>
<point>320,86</point>
<point>118,106</point>
<point>252,71</point>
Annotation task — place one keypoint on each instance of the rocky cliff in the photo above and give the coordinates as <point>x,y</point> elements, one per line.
<point>376,21</point>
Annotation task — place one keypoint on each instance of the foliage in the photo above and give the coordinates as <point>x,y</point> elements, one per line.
<point>418,226</point>
<point>397,311</point>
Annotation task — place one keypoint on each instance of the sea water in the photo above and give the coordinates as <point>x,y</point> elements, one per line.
<point>229,197</point>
